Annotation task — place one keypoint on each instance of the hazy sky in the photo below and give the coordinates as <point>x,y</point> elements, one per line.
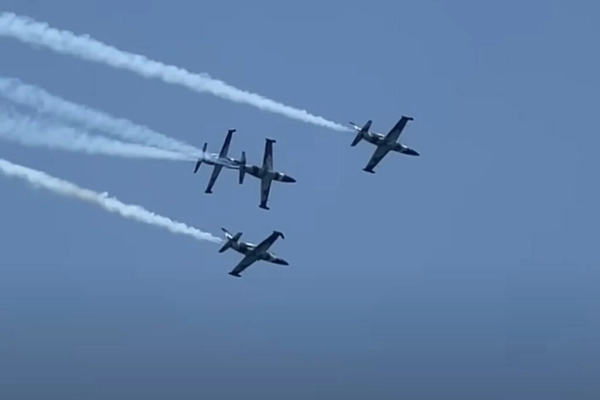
<point>467,273</point>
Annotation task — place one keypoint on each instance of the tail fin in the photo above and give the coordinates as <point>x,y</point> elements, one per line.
<point>200,159</point>
<point>360,135</point>
<point>242,167</point>
<point>230,240</point>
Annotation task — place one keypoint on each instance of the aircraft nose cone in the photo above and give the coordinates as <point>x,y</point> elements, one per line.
<point>283,262</point>
<point>288,179</point>
<point>412,152</point>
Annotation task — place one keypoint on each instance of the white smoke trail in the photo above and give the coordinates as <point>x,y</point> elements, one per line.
<point>33,32</point>
<point>34,97</point>
<point>110,204</point>
<point>29,132</point>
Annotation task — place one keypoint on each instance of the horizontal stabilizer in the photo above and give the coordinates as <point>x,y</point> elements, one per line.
<point>200,159</point>
<point>230,241</point>
<point>357,139</point>
<point>234,274</point>
<point>242,167</point>
<point>361,133</point>
<point>367,126</point>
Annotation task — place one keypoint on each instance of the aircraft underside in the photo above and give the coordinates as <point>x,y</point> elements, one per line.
<point>266,173</point>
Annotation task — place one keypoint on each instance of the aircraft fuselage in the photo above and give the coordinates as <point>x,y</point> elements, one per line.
<point>264,174</point>
<point>378,139</point>
<point>227,162</point>
<point>244,248</point>
<point>374,138</point>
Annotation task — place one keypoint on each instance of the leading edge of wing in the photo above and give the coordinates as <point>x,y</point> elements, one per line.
<point>226,143</point>
<point>268,156</point>
<point>213,177</point>
<point>395,132</point>
<point>244,263</point>
<point>380,152</point>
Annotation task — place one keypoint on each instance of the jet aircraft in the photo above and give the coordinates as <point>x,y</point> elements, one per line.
<point>221,161</point>
<point>266,174</point>
<point>252,252</point>
<point>384,144</point>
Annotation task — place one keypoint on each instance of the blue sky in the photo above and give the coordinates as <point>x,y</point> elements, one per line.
<point>465,273</point>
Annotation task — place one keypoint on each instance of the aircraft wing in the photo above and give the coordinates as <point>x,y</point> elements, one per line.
<point>226,144</point>
<point>395,132</point>
<point>255,254</point>
<point>268,156</point>
<point>263,246</point>
<point>249,259</point>
<point>213,177</point>
<point>265,189</point>
<point>380,152</point>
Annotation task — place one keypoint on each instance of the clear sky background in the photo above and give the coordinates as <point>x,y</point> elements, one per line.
<point>469,272</point>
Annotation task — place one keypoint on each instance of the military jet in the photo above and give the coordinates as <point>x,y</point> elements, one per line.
<point>221,161</point>
<point>252,252</point>
<point>384,144</point>
<point>266,174</point>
